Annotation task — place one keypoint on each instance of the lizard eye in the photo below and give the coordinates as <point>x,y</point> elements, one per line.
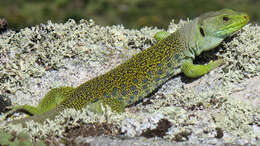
<point>225,18</point>
<point>202,32</point>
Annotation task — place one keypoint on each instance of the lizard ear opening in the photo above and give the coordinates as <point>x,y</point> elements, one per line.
<point>202,32</point>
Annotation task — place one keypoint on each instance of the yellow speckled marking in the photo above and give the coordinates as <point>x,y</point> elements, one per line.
<point>134,79</point>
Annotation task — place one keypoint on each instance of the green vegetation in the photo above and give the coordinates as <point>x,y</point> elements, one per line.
<point>131,13</point>
<point>20,139</point>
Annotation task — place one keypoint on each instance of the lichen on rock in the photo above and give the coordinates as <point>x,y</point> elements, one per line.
<point>46,56</point>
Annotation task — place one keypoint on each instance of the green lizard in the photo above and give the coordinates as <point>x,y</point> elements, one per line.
<point>143,73</point>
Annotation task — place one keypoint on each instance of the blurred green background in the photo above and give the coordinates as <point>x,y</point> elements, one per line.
<point>131,13</point>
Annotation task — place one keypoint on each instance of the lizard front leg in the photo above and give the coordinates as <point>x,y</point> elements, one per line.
<point>194,71</point>
<point>161,35</point>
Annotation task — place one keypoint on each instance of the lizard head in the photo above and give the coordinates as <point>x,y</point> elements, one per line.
<point>210,29</point>
<point>221,23</point>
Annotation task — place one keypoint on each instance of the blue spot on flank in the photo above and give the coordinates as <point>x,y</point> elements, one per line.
<point>114,91</point>
<point>177,56</point>
<point>159,72</point>
<point>123,85</point>
<point>159,64</point>
<point>145,80</point>
<point>169,64</point>
<point>124,93</point>
<point>135,92</point>
<point>157,79</point>
<point>106,95</point>
<point>150,72</point>
<point>133,88</point>
<point>145,86</point>
<point>135,80</point>
<point>120,98</point>
<point>179,60</point>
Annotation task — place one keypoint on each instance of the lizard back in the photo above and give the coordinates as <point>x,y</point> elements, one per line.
<point>134,79</point>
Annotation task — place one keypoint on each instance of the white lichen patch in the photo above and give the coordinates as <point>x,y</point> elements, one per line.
<point>50,55</point>
<point>242,55</point>
<point>37,59</point>
<point>237,116</point>
<point>68,117</point>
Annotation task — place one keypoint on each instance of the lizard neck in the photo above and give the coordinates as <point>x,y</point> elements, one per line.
<point>194,39</point>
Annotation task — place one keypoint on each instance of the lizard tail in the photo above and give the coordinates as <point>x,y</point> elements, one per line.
<point>39,118</point>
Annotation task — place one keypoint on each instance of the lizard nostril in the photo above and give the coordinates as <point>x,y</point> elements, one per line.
<point>246,16</point>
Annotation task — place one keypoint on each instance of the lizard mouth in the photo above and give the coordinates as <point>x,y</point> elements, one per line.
<point>240,21</point>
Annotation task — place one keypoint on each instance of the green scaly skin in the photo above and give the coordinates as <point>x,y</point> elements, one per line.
<point>50,101</point>
<point>143,73</point>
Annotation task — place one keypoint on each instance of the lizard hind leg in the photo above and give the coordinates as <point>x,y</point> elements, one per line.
<point>114,104</point>
<point>30,110</point>
<point>54,98</point>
